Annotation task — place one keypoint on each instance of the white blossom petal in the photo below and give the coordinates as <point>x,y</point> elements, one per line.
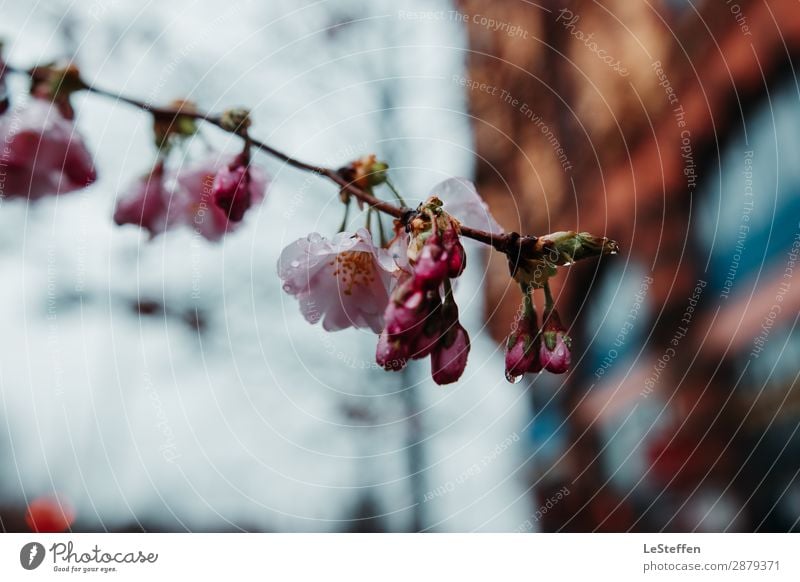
<point>462,201</point>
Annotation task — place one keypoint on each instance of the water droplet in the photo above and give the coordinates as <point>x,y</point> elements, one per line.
<point>287,288</point>
<point>294,264</point>
<point>513,379</point>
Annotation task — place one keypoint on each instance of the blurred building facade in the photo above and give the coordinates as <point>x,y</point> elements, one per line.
<point>671,127</point>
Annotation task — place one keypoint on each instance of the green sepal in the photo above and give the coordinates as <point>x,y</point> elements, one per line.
<point>550,339</point>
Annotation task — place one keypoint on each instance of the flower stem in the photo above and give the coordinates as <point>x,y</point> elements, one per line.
<point>548,298</point>
<point>529,308</point>
<point>343,226</point>
<point>380,230</point>
<point>395,192</point>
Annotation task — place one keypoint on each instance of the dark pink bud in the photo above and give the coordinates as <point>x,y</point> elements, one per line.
<point>457,261</point>
<point>431,267</point>
<point>456,257</point>
<point>231,190</point>
<point>449,359</point>
<point>42,153</point>
<point>425,342</point>
<point>554,353</point>
<point>390,354</point>
<point>144,203</point>
<point>197,199</point>
<point>406,310</point>
<point>522,353</point>
<point>558,359</point>
<point>423,345</point>
<point>78,165</point>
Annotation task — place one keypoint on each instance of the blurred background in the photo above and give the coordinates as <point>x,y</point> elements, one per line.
<point>169,385</point>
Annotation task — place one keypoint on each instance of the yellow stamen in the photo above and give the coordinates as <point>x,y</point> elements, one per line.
<point>353,268</point>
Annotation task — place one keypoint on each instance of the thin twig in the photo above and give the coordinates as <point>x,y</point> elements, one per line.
<point>508,243</point>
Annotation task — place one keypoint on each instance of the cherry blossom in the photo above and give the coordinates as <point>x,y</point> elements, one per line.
<point>42,153</point>
<point>344,281</point>
<point>462,201</point>
<point>145,203</point>
<point>232,192</point>
<point>401,290</point>
<point>197,189</point>
<point>189,195</point>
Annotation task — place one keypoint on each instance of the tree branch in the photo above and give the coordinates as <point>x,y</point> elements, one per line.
<point>512,244</point>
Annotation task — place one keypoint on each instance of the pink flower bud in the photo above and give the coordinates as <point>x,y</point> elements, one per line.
<point>435,250</point>
<point>42,153</point>
<point>391,354</point>
<point>406,311</point>
<point>145,203</point>
<point>195,189</point>
<point>556,359</point>
<point>424,342</point>
<point>449,359</point>
<point>431,267</point>
<point>554,353</point>
<point>423,345</point>
<point>232,189</point>
<point>456,256</point>
<point>78,166</point>
<point>522,353</point>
